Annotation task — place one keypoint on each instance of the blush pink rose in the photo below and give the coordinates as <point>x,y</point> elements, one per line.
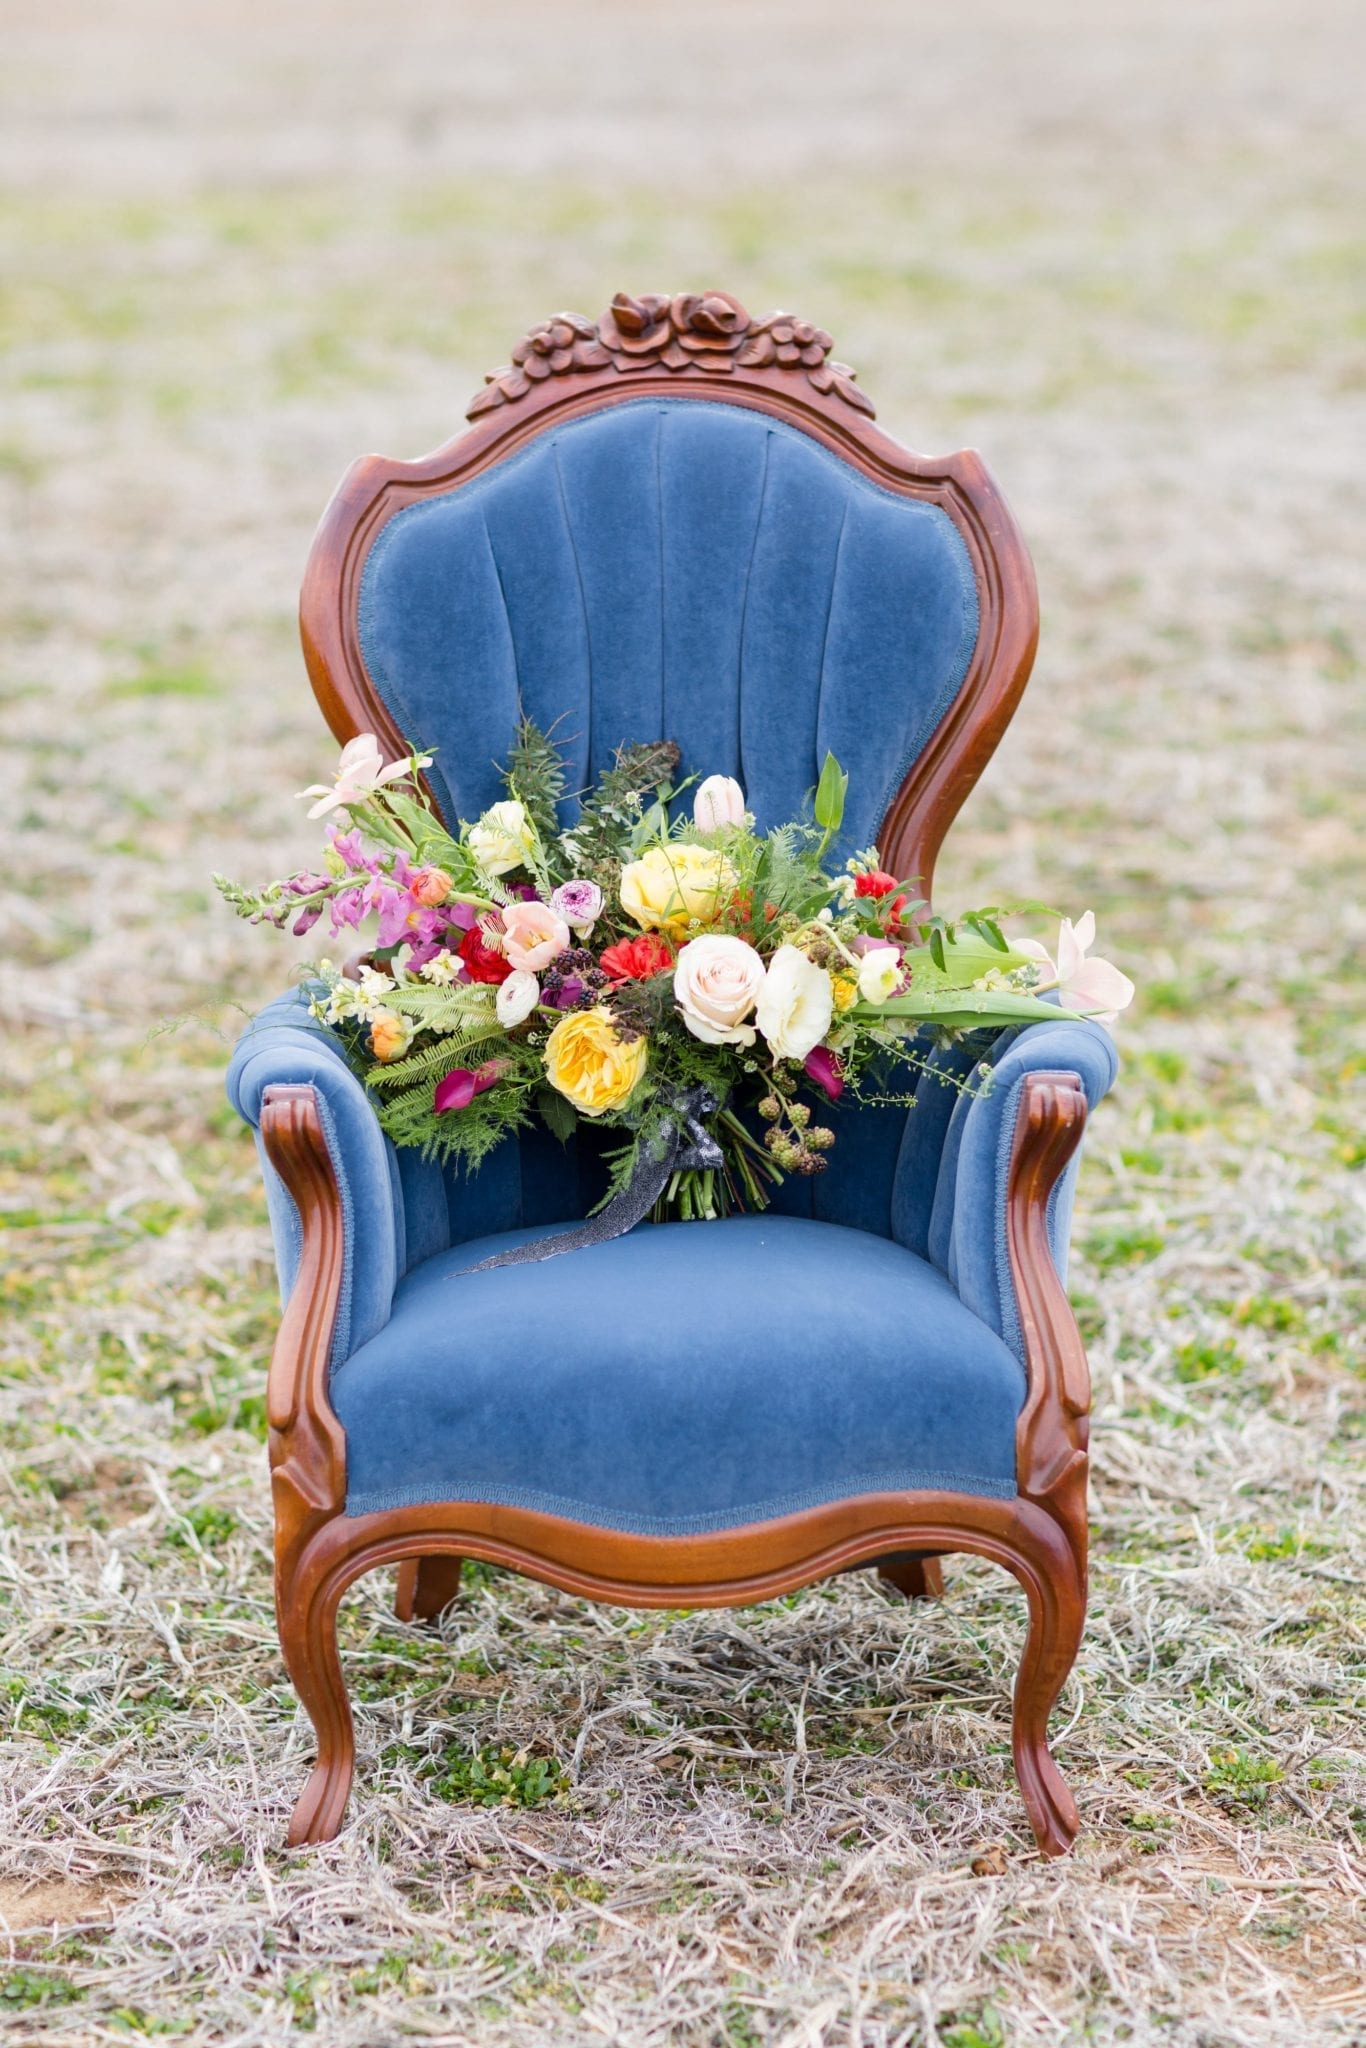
<point>533,935</point>
<point>717,980</point>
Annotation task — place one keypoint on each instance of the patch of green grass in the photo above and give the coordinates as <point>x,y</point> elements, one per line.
<point>1285,1543</point>
<point>212,1526</point>
<point>982,2027</point>
<point>190,679</point>
<point>497,1777</point>
<point>1269,1312</point>
<point>1242,1778</point>
<point>1201,1360</point>
<point>22,1989</point>
<point>1122,1245</point>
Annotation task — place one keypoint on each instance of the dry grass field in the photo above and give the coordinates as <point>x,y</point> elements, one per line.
<point>1117,244</point>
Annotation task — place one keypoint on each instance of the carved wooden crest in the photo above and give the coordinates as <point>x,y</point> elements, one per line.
<point>705,334</point>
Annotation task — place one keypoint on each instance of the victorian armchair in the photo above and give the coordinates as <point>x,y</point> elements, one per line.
<point>679,522</point>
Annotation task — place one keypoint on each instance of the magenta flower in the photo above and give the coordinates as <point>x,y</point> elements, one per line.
<point>458,1088</point>
<point>823,1068</point>
<point>348,847</point>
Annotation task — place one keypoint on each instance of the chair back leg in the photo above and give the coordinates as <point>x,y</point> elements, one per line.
<point>426,1587</point>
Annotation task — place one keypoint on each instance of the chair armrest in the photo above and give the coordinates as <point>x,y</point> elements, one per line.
<point>968,1228</point>
<point>284,1045</point>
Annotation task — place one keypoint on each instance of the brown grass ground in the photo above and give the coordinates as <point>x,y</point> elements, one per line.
<point>1120,249</point>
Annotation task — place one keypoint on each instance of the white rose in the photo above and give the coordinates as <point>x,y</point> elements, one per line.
<point>518,996</point>
<point>879,974</point>
<point>716,984</point>
<point>795,1004</point>
<point>503,838</point>
<point>719,801</point>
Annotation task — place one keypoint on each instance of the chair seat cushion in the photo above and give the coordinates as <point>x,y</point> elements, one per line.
<point>686,1377</point>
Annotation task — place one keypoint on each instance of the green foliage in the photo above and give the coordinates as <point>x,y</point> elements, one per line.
<point>983,2027</point>
<point>432,1062</point>
<point>535,775</point>
<point>612,809</point>
<point>22,1989</point>
<point>1198,1361</point>
<point>1241,1778</point>
<point>497,1777</point>
<point>831,791</point>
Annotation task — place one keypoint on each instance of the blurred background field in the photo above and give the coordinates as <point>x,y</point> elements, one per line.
<point>1120,249</point>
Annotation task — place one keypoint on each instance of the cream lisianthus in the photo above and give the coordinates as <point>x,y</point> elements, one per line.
<point>795,1005</point>
<point>517,997</point>
<point>717,980</point>
<point>673,886</point>
<point>504,838</point>
<point>879,974</point>
<point>360,772</point>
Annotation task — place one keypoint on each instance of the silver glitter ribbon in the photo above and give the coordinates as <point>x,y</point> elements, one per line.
<point>686,1144</point>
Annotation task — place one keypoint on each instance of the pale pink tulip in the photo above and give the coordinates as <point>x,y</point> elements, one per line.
<point>719,801</point>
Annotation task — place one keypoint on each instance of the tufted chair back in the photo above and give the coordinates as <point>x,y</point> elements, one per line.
<point>713,550</point>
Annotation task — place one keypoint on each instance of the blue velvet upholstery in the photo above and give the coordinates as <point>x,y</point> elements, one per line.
<point>673,568</point>
<point>681,568</point>
<point>686,1377</point>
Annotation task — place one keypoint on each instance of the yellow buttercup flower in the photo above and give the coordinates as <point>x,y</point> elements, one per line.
<point>670,886</point>
<point>588,1060</point>
<point>846,992</point>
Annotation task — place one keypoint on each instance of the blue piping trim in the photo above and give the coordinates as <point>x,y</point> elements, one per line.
<point>596,1517</point>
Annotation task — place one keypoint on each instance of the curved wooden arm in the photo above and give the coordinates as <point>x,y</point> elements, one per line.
<point>307,1442</point>
<point>1051,1434</point>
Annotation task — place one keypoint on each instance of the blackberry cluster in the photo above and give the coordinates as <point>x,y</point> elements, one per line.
<point>575,975</point>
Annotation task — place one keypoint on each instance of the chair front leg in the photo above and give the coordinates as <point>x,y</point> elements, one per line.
<point>308,1452</point>
<point>1051,1439</point>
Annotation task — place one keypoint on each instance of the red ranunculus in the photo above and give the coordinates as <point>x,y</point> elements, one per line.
<point>637,959</point>
<point>482,963</point>
<point>879,883</point>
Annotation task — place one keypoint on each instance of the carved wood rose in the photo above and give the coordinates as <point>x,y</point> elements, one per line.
<point>706,333</point>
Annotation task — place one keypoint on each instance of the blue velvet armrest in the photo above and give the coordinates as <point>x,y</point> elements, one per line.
<point>285,1044</point>
<point>967,1237</point>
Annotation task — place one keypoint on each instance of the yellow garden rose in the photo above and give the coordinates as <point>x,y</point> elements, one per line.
<point>671,885</point>
<point>587,1059</point>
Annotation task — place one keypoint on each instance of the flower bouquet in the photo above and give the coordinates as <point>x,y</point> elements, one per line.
<point>703,987</point>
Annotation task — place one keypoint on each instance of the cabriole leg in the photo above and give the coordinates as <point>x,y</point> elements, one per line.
<point>1057,1612</point>
<point>308,1636</point>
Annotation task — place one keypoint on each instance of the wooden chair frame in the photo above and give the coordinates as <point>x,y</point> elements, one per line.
<point>706,347</point>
